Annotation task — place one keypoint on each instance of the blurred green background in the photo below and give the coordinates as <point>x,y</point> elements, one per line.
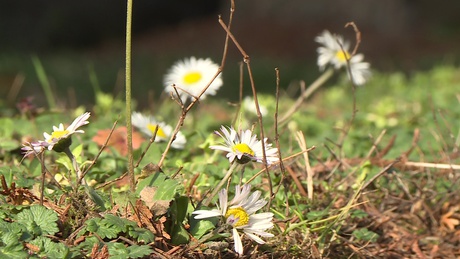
<point>78,39</point>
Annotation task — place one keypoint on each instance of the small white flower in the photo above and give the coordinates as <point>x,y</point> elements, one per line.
<point>244,146</point>
<point>239,213</point>
<point>147,125</point>
<point>249,105</point>
<point>59,133</point>
<point>332,53</point>
<point>191,76</point>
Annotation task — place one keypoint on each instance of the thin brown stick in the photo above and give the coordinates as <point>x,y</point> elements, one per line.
<point>297,181</point>
<point>111,182</point>
<point>181,120</point>
<point>277,163</point>
<point>247,60</point>
<point>357,35</point>
<point>303,146</point>
<point>307,93</point>
<point>375,143</point>
<point>384,170</point>
<point>152,139</point>
<point>238,109</point>
<point>277,136</point>
<point>99,153</point>
<point>348,126</point>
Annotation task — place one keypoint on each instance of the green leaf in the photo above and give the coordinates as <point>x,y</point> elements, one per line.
<point>65,161</point>
<point>365,234</point>
<point>39,220</point>
<point>359,214</point>
<point>104,231</point>
<point>50,249</point>
<point>136,251</point>
<point>13,252</point>
<point>87,245</point>
<point>178,211</point>
<point>95,197</point>
<point>8,144</point>
<point>166,187</point>
<point>314,215</point>
<point>199,227</point>
<point>7,128</point>
<point>117,250</point>
<point>141,235</point>
<point>118,223</point>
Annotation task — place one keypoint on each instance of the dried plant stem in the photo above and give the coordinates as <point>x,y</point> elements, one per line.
<point>303,145</point>
<point>42,184</point>
<point>276,164</point>
<point>99,153</point>
<point>185,110</point>
<point>247,61</point>
<point>220,184</point>
<point>310,90</point>
<point>277,136</point>
<point>129,127</point>
<point>347,128</point>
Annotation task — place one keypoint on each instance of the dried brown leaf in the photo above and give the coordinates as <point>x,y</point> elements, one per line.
<point>118,140</point>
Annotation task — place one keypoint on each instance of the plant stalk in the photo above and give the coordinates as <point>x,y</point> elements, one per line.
<point>129,15</point>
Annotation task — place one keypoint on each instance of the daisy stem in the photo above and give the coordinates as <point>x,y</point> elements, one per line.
<point>310,90</point>
<point>75,166</point>
<point>221,183</point>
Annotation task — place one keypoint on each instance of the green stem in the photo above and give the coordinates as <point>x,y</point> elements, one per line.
<point>44,82</point>
<point>310,90</point>
<point>75,166</point>
<point>221,183</point>
<point>129,15</point>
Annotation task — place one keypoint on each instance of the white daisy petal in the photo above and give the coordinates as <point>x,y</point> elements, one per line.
<point>60,133</point>
<point>191,76</point>
<point>244,146</point>
<point>335,51</point>
<point>237,241</point>
<point>254,237</point>
<point>240,215</point>
<point>148,124</point>
<point>203,214</point>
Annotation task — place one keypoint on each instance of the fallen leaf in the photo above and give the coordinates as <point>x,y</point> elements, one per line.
<point>143,216</point>
<point>102,254</point>
<point>118,139</point>
<point>157,207</point>
<point>448,221</point>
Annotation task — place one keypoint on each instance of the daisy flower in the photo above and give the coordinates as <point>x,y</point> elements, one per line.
<point>239,213</point>
<point>191,76</point>
<point>147,125</point>
<point>60,139</point>
<point>331,52</point>
<point>244,146</point>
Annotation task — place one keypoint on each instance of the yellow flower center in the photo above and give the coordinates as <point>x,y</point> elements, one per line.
<point>243,148</point>
<point>342,56</point>
<point>160,132</point>
<point>58,134</point>
<point>192,77</point>
<point>239,214</point>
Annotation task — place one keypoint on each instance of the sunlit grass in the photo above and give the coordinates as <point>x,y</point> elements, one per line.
<point>350,182</point>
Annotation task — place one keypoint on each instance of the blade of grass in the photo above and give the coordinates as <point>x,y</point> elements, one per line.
<point>44,82</point>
